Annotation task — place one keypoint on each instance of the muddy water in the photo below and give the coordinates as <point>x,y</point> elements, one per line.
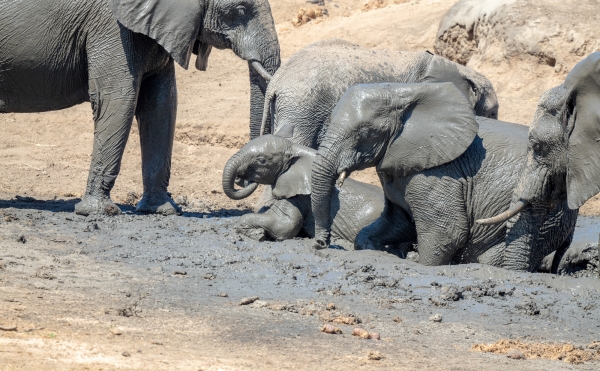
<point>587,231</point>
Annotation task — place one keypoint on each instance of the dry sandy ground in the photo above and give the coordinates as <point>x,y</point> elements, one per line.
<point>47,155</point>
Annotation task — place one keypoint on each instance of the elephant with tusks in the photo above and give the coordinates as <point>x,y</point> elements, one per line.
<point>119,55</point>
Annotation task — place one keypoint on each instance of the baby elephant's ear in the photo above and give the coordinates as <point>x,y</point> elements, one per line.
<point>296,180</point>
<point>174,24</point>
<point>581,111</point>
<point>438,126</point>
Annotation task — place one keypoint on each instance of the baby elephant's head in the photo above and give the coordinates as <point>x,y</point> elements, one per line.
<point>260,161</point>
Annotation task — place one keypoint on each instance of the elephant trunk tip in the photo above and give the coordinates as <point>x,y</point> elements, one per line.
<point>320,244</point>
<point>514,210</point>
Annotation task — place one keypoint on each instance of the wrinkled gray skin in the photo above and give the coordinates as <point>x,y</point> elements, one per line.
<point>304,91</point>
<point>562,168</point>
<point>438,164</point>
<point>286,166</point>
<point>58,53</point>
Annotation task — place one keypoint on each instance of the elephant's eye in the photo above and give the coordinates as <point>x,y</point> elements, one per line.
<point>261,160</point>
<point>237,12</point>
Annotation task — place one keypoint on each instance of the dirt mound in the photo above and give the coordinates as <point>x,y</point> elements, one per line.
<point>568,353</point>
<point>539,31</point>
<point>305,15</point>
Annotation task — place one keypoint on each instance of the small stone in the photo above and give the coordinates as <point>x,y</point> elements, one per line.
<point>180,273</point>
<point>126,354</point>
<point>330,329</point>
<point>361,333</point>
<point>116,331</point>
<point>397,319</point>
<point>515,354</point>
<point>259,304</point>
<point>375,356</point>
<point>330,306</point>
<point>436,318</point>
<point>374,335</point>
<point>21,239</point>
<point>250,300</point>
<point>223,295</point>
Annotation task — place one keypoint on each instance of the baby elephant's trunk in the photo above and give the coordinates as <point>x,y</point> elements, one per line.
<point>230,173</point>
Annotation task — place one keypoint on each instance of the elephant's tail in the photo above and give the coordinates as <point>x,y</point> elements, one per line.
<point>268,113</point>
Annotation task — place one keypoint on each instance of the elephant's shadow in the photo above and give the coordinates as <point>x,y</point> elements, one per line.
<point>68,206</point>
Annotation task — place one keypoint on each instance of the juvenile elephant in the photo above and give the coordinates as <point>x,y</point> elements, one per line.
<point>286,166</point>
<point>438,164</point>
<point>118,55</point>
<point>562,170</point>
<point>304,91</point>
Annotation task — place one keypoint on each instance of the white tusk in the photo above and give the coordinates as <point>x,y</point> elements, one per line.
<point>505,215</point>
<point>340,180</point>
<point>262,71</point>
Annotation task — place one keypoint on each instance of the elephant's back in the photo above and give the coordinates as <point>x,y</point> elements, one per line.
<point>43,63</point>
<point>355,206</point>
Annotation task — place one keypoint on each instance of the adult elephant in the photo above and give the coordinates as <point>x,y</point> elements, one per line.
<point>286,166</point>
<point>562,170</point>
<point>119,55</point>
<point>438,163</point>
<point>304,91</point>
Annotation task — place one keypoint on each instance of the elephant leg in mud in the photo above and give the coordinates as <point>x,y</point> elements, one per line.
<point>391,228</point>
<point>282,221</point>
<point>156,115</point>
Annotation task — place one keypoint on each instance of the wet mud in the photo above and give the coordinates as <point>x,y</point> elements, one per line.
<point>139,270</point>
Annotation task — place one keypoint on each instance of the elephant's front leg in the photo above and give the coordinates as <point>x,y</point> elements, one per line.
<point>156,112</point>
<point>282,221</point>
<point>113,103</point>
<point>392,227</point>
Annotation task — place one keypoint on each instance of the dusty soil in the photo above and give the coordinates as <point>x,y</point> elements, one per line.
<point>70,284</point>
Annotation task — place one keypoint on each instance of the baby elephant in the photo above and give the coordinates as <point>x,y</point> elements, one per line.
<point>286,166</point>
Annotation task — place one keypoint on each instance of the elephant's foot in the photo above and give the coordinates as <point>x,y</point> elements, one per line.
<point>258,234</point>
<point>158,205</point>
<point>90,205</point>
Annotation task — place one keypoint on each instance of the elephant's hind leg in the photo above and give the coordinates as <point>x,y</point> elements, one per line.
<point>282,221</point>
<point>156,112</point>
<point>113,114</point>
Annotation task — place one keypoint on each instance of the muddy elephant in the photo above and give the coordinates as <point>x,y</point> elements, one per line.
<point>438,163</point>
<point>303,92</point>
<point>562,170</point>
<point>119,55</point>
<point>286,167</point>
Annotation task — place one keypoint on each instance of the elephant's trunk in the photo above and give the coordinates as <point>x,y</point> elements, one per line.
<point>260,74</point>
<point>323,178</point>
<point>230,173</point>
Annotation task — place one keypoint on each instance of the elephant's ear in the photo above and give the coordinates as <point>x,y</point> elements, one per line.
<point>296,180</point>
<point>174,24</point>
<point>438,126</point>
<point>442,70</point>
<point>582,112</point>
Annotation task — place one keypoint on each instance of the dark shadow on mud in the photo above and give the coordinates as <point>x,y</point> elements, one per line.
<point>218,213</point>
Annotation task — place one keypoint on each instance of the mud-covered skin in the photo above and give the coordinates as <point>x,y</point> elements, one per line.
<point>97,266</point>
<point>119,55</point>
<point>302,94</point>
<point>437,163</point>
<point>286,167</point>
<point>562,169</point>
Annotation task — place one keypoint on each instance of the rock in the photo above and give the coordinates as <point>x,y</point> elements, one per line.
<point>330,306</point>
<point>361,333</point>
<point>250,300</point>
<point>346,320</point>
<point>375,356</point>
<point>259,304</point>
<point>21,239</point>
<point>223,295</point>
<point>116,331</point>
<point>180,273</point>
<point>375,335</point>
<point>8,328</point>
<point>436,318</point>
<point>181,200</point>
<point>330,329</point>
<point>126,354</point>
<point>515,354</point>
<point>451,292</point>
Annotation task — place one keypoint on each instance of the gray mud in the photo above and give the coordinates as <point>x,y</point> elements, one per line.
<point>186,264</point>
